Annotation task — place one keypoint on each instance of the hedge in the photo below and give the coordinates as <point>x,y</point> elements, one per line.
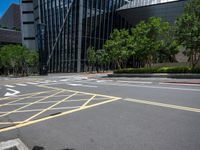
<point>159,70</point>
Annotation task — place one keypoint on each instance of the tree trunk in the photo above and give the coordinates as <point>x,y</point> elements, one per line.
<point>118,65</point>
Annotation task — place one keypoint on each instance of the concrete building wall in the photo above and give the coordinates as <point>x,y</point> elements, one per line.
<point>28,24</point>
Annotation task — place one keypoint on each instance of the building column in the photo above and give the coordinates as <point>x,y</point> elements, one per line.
<point>80,35</point>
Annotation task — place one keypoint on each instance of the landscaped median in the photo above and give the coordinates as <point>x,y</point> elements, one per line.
<point>166,72</point>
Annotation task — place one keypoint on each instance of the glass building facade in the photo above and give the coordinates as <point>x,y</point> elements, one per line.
<point>71,26</point>
<point>74,25</point>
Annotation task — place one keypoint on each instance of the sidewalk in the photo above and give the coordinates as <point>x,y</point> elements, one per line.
<point>159,75</point>
<point>106,76</point>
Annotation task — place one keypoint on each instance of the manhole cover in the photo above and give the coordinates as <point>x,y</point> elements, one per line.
<point>15,144</point>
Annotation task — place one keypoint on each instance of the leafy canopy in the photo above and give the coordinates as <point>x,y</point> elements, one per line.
<point>188,30</point>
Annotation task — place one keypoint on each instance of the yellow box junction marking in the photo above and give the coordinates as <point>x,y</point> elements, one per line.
<point>32,119</point>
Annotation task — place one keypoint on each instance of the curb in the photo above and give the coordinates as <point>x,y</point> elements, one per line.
<point>184,83</point>
<point>159,75</point>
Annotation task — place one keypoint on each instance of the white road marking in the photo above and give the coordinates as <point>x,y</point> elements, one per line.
<point>32,83</point>
<point>64,80</point>
<point>83,85</point>
<point>92,79</point>
<point>92,86</point>
<point>43,82</point>
<point>100,81</point>
<point>9,86</point>
<point>75,84</point>
<point>21,84</point>
<point>15,92</point>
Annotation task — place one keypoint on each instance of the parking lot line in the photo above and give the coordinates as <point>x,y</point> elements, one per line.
<point>152,103</point>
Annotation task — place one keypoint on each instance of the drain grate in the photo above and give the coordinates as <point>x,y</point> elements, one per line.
<point>15,144</point>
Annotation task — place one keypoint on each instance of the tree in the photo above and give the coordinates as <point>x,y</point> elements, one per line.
<point>188,31</point>
<point>153,41</point>
<point>117,47</point>
<point>91,57</point>
<point>146,39</point>
<point>16,59</point>
<point>169,46</point>
<point>103,58</point>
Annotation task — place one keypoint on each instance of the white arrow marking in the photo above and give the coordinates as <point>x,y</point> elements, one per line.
<point>11,94</point>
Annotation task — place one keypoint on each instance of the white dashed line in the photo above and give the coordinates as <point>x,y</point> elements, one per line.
<point>32,83</point>
<point>64,80</point>
<point>100,81</point>
<point>21,84</point>
<point>9,86</point>
<point>81,85</point>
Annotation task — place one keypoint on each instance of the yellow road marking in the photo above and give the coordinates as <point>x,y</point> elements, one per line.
<point>86,93</point>
<point>36,110</point>
<point>88,101</point>
<point>18,96</point>
<point>58,115</point>
<point>20,99</point>
<point>27,122</point>
<point>164,105</point>
<point>54,101</point>
<point>30,104</point>
<point>50,107</point>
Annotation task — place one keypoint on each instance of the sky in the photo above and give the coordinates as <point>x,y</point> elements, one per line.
<point>4,4</point>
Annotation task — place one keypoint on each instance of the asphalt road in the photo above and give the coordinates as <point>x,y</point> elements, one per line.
<point>82,113</point>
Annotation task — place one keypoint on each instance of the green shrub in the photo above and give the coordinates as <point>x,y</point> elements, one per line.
<point>159,70</point>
